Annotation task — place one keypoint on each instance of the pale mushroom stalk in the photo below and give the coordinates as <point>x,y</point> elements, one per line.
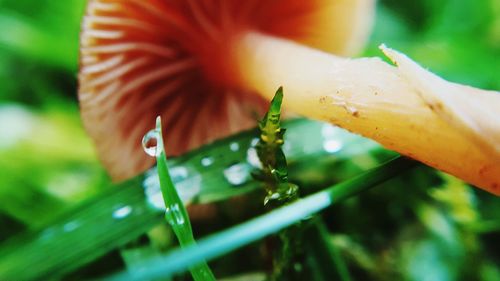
<point>405,108</point>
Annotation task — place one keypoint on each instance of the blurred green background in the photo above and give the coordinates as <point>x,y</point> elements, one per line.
<point>436,229</point>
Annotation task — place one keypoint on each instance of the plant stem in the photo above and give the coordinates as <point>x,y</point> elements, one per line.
<point>279,191</point>
<point>176,214</point>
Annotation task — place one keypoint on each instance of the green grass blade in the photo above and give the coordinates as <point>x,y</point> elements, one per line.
<point>81,235</point>
<point>176,213</point>
<point>223,242</point>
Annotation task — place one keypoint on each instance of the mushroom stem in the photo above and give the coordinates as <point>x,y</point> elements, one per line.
<point>448,126</point>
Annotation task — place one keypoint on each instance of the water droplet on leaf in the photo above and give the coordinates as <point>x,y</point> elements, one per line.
<point>178,173</point>
<point>48,233</point>
<point>234,146</point>
<point>237,174</point>
<point>332,145</point>
<point>254,142</point>
<point>253,158</point>
<point>188,186</point>
<point>207,161</point>
<point>70,226</point>
<point>122,212</point>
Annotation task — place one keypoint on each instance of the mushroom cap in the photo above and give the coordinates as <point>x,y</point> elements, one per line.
<point>144,58</point>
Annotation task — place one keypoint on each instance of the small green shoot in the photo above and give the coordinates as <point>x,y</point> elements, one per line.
<point>279,191</point>
<point>176,214</point>
<point>274,172</point>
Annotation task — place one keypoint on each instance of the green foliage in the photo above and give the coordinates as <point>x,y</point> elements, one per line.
<point>99,232</point>
<point>457,39</point>
<point>279,191</point>
<point>218,244</point>
<point>274,172</point>
<point>176,213</point>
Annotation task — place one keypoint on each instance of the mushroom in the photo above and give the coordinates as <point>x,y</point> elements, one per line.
<point>140,59</point>
<point>207,65</point>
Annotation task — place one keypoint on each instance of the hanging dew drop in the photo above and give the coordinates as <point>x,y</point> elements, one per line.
<point>150,143</point>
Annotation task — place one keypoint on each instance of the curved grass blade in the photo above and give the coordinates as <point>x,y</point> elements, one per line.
<point>176,214</point>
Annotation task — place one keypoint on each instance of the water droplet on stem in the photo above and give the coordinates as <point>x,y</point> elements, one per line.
<point>174,215</point>
<point>150,143</point>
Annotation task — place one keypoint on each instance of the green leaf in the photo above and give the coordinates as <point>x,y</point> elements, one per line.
<point>176,214</point>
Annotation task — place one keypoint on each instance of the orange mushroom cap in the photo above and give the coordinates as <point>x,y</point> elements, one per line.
<point>143,58</point>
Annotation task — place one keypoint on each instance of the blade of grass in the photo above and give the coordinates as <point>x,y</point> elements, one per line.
<point>238,236</point>
<point>176,214</point>
<point>81,235</point>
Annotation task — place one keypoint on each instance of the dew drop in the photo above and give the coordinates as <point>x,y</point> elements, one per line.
<point>271,196</point>
<point>152,191</point>
<point>254,142</point>
<point>207,161</point>
<point>237,174</point>
<point>70,226</point>
<point>188,186</point>
<point>234,146</point>
<point>150,143</point>
<point>178,173</point>
<point>48,233</point>
<point>253,158</point>
<point>174,215</point>
<point>122,212</point>
<point>332,145</point>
